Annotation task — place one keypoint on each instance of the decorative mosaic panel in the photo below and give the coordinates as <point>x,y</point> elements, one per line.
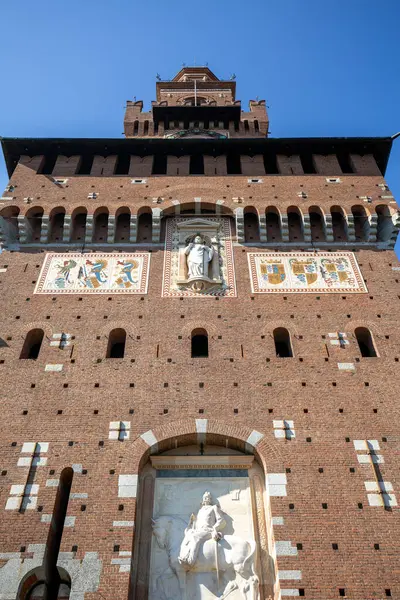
<point>75,273</point>
<point>198,259</point>
<point>291,272</point>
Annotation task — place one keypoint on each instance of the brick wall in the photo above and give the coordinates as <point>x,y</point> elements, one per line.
<point>245,388</point>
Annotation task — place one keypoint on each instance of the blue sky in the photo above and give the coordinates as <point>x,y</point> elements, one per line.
<point>325,67</point>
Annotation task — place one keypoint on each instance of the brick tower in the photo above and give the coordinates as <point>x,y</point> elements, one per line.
<point>198,353</point>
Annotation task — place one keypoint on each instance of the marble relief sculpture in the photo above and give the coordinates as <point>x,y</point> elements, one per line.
<point>201,548</point>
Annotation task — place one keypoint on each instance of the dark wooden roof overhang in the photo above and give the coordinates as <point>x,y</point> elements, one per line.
<point>13,148</point>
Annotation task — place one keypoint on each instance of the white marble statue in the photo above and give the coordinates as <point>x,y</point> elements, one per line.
<point>200,548</point>
<point>199,255</point>
<point>207,525</point>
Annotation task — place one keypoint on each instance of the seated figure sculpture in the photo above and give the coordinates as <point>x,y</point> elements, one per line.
<point>206,525</point>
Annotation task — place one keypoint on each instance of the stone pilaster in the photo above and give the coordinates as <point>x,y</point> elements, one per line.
<point>327,224</point>
<point>44,231</point>
<point>285,228</point>
<point>111,229</point>
<point>24,229</point>
<point>239,214</point>
<point>67,229</point>
<point>133,229</point>
<point>373,229</point>
<point>89,229</point>
<point>262,221</point>
<point>156,225</point>
<point>306,228</point>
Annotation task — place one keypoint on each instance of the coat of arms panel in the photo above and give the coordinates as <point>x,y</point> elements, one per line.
<point>291,272</point>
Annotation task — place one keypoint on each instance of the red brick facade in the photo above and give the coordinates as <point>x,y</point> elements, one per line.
<point>241,387</point>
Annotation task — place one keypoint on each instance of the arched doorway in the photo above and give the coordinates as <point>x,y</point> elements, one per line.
<point>221,482</point>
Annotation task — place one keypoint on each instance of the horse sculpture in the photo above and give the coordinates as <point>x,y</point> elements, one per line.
<point>229,557</point>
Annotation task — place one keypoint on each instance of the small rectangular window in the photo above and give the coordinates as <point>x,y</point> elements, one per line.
<point>138,181</point>
<point>254,180</point>
<point>333,180</point>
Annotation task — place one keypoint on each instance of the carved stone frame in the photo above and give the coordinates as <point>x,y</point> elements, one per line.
<point>263,531</point>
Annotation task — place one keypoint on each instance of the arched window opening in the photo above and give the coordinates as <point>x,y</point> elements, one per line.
<point>146,128</point>
<point>385,223</point>
<point>123,225</point>
<point>273,222</point>
<point>283,346</point>
<point>199,343</point>
<point>365,342</point>
<point>9,223</point>
<point>246,125</point>
<point>196,166</point>
<point>100,225</point>
<point>251,225</point>
<point>145,227</point>
<point>135,127</point>
<point>116,343</point>
<point>316,224</point>
<point>256,126</point>
<point>32,344</point>
<point>295,224</point>
<point>78,224</point>
<point>34,223</point>
<point>339,224</point>
<point>57,217</point>
<point>361,223</point>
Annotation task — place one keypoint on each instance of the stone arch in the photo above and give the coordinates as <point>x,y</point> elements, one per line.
<point>295,224</point>
<point>163,438</point>
<point>33,223</point>
<point>242,442</point>
<point>37,577</point>
<point>78,224</point>
<point>56,224</point>
<point>273,222</point>
<point>100,224</point>
<point>144,225</point>
<point>122,224</point>
<point>251,224</point>
<point>339,223</point>
<point>26,327</point>
<point>9,227</point>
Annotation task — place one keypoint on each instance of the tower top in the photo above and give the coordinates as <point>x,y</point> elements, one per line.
<point>196,103</point>
<point>203,78</point>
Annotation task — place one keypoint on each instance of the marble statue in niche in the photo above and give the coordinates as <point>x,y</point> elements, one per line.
<point>198,259</point>
<point>199,254</point>
<point>200,549</point>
